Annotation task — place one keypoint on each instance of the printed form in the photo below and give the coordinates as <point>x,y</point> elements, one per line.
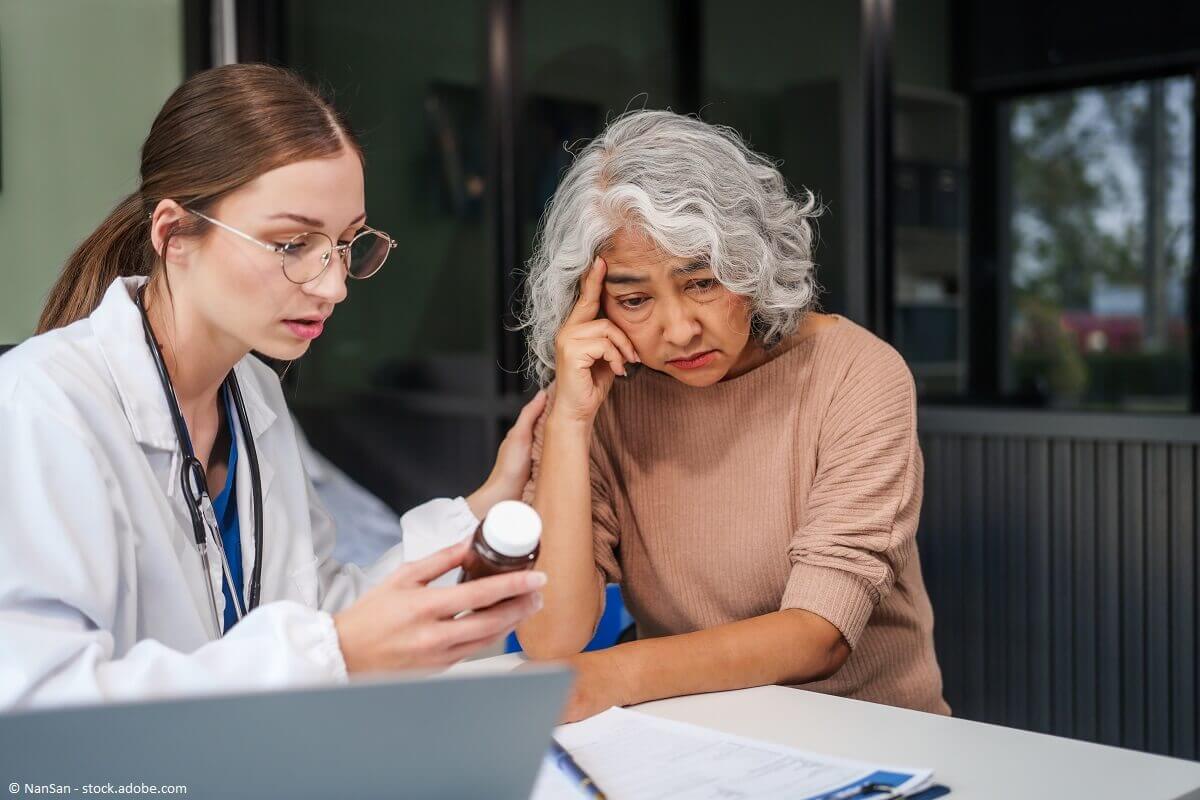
<point>634,756</point>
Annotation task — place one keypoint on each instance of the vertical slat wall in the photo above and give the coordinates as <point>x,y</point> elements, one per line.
<point>1060,552</point>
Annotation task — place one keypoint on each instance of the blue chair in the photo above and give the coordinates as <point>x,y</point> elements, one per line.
<point>615,624</point>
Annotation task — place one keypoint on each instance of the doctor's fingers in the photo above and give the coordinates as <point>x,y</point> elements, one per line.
<point>418,573</point>
<point>529,415</point>
<point>492,622</point>
<point>445,602</point>
<point>460,651</point>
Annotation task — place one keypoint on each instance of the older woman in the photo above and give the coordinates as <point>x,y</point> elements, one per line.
<point>746,468</point>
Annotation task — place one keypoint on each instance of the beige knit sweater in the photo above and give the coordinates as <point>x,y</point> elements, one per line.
<point>795,485</point>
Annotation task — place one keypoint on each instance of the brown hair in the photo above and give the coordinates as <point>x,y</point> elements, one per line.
<point>217,132</point>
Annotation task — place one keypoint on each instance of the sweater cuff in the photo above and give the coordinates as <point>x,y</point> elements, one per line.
<point>842,598</point>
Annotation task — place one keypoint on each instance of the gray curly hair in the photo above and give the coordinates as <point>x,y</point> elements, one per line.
<point>697,191</point>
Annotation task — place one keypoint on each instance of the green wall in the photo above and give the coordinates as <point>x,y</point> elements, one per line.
<point>80,83</point>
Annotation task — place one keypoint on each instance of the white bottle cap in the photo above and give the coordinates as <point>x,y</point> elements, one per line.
<point>512,528</point>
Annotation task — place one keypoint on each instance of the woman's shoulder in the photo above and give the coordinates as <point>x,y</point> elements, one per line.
<point>837,363</point>
<point>831,349</point>
<point>845,350</point>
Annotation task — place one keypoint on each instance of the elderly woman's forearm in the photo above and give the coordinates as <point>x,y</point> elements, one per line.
<point>783,647</point>
<point>563,497</point>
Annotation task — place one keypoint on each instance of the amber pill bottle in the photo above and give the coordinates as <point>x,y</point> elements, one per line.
<point>506,541</point>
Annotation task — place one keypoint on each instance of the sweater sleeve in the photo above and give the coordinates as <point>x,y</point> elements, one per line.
<point>604,518</point>
<point>859,528</point>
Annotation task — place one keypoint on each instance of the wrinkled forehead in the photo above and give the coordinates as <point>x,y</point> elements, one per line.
<point>631,253</point>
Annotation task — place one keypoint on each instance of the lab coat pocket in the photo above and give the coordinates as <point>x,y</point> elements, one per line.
<point>307,583</point>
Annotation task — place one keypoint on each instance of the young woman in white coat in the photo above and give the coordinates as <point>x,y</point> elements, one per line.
<point>158,534</point>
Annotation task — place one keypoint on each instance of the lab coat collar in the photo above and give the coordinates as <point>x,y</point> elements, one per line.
<point>118,327</point>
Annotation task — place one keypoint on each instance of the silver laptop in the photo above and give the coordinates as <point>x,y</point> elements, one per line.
<point>447,736</point>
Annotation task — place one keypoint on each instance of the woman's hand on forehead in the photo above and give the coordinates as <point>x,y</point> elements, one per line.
<point>590,352</point>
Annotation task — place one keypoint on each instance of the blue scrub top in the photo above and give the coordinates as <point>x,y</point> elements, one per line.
<point>225,507</point>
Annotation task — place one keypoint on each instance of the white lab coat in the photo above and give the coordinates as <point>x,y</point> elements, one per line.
<point>102,594</point>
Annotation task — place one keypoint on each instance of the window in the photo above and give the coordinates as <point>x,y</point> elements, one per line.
<point>1098,246</point>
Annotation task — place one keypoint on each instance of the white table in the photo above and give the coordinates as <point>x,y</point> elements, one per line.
<point>975,760</point>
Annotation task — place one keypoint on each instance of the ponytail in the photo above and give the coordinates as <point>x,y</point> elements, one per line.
<point>120,247</point>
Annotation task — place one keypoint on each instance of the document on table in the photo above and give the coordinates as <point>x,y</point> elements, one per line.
<point>635,756</point>
<point>553,784</point>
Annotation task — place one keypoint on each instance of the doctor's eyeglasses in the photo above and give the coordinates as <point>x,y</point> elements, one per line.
<point>306,256</point>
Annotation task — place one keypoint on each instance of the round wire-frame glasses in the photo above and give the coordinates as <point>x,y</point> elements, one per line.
<point>306,256</point>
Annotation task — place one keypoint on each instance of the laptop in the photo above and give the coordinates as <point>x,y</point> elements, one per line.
<point>445,736</point>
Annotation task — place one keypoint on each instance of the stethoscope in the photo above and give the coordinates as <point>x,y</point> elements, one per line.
<point>195,485</point>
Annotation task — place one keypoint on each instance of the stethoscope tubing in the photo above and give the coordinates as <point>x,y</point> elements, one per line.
<point>195,491</point>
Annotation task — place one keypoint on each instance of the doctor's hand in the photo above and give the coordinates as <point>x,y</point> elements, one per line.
<point>511,472</point>
<point>404,624</point>
<point>589,353</point>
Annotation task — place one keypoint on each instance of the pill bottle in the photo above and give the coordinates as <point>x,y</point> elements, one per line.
<point>506,541</point>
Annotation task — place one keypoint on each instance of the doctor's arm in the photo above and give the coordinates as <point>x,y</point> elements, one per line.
<point>68,578</point>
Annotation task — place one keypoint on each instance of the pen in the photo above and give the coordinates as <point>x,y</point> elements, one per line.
<point>874,791</point>
<point>883,791</point>
<point>567,764</point>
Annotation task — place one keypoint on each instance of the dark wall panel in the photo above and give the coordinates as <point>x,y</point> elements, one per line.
<point>1016,590</point>
<point>1086,663</point>
<point>1062,565</point>
<point>1061,578</point>
<point>1131,490</point>
<point>1183,599</point>
<point>1038,488</point>
<point>1109,608</point>
<point>1158,698</point>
